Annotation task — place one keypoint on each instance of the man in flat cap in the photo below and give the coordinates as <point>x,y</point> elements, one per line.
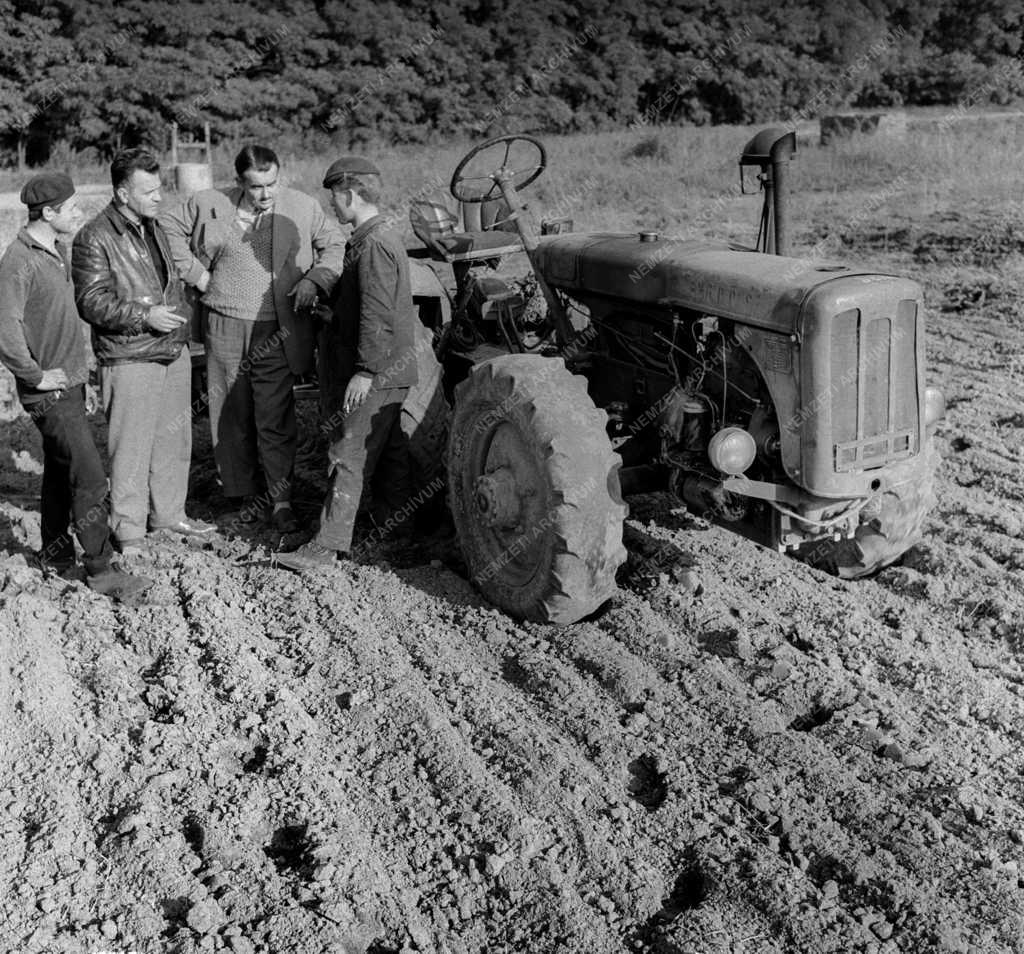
<point>367,364</point>
<point>258,254</point>
<point>126,289</point>
<point>42,345</point>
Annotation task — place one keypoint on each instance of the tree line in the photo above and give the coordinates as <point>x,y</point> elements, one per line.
<point>91,76</point>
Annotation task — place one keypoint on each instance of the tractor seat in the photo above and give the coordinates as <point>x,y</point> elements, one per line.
<point>474,238</point>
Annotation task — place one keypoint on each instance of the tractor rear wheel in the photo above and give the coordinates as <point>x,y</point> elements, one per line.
<point>533,487</point>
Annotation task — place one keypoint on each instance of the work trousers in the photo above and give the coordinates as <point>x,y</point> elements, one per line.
<point>74,483</point>
<point>149,442</point>
<point>252,407</point>
<point>367,446</point>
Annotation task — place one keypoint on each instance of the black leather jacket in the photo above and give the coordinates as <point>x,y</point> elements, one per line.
<point>116,282</point>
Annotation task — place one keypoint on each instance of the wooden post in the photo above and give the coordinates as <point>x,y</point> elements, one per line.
<point>174,143</point>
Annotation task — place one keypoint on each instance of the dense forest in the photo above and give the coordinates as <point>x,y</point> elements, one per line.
<point>88,76</point>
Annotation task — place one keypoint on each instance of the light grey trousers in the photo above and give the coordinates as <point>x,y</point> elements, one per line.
<point>149,441</point>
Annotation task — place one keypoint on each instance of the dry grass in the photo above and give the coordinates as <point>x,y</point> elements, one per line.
<point>688,183</point>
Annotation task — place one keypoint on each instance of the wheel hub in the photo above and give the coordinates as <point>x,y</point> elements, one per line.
<point>497,498</point>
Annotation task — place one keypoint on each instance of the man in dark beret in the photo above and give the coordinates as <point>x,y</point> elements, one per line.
<point>42,345</point>
<point>367,365</point>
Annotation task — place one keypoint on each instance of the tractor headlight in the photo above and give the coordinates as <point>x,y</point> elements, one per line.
<point>732,450</point>
<point>934,407</point>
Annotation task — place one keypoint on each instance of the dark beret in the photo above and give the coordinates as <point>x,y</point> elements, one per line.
<point>347,166</point>
<point>48,188</point>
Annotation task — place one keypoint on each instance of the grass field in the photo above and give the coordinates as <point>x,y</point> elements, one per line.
<point>684,180</point>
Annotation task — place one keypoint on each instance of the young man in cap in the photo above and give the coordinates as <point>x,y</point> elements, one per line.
<point>367,364</point>
<point>42,345</point>
<point>259,254</point>
<point>126,289</point>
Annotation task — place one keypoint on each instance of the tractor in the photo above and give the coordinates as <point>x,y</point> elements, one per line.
<point>779,397</point>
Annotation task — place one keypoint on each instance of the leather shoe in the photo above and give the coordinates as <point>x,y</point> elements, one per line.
<point>190,527</point>
<point>120,586</point>
<point>307,558</point>
<point>283,520</point>
<point>251,509</point>
<point>133,547</point>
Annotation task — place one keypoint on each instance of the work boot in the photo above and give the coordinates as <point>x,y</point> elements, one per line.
<point>307,558</point>
<point>120,586</point>
<point>60,565</point>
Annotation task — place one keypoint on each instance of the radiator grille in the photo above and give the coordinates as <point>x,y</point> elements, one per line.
<point>874,387</point>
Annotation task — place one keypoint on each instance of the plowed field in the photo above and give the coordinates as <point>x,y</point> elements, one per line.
<point>739,754</point>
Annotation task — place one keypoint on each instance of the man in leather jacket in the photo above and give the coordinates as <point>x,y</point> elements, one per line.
<point>126,288</point>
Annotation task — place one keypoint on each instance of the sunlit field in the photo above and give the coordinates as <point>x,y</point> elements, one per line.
<point>685,180</point>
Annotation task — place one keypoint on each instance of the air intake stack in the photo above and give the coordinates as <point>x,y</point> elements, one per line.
<point>771,150</point>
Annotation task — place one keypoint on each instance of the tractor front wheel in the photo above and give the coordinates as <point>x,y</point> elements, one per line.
<point>534,489</point>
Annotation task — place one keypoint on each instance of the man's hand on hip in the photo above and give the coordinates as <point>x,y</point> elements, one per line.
<point>356,391</point>
<point>304,292</point>
<point>163,319</point>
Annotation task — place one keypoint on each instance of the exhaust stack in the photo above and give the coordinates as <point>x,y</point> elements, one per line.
<point>771,150</point>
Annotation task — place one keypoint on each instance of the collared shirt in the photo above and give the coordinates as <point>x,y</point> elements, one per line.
<point>247,215</point>
<point>144,230</point>
<point>39,325</point>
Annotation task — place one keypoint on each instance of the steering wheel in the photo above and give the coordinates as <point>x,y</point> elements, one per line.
<point>516,159</point>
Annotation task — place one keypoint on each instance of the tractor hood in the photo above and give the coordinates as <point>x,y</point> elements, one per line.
<point>726,280</point>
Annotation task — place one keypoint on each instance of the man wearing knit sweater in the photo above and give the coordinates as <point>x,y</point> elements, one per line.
<point>258,255</point>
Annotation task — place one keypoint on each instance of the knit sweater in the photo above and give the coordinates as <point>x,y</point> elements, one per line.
<point>39,325</point>
<point>242,273</point>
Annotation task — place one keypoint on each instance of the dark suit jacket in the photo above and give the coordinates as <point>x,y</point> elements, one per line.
<point>372,328</point>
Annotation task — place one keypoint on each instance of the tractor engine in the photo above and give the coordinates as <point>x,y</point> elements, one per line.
<point>781,397</point>
<point>700,410</point>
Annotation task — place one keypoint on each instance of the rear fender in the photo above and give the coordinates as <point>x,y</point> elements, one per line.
<point>425,279</point>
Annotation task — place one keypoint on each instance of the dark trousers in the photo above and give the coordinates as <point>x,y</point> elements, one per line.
<point>74,483</point>
<point>252,407</point>
<point>368,446</point>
